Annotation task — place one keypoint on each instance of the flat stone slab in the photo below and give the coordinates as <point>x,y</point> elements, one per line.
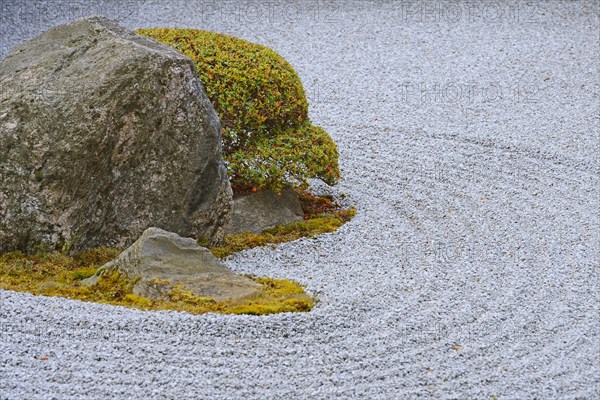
<point>164,259</point>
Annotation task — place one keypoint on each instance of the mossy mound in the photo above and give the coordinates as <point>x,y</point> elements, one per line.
<point>56,274</point>
<point>268,140</point>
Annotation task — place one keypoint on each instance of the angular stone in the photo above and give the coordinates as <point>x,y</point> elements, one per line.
<point>264,209</point>
<point>104,133</point>
<point>159,255</point>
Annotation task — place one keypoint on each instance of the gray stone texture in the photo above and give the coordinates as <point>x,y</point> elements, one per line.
<point>103,134</point>
<point>162,260</point>
<point>258,211</point>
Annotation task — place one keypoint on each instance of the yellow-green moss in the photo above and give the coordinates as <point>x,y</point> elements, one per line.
<point>56,274</point>
<point>268,140</point>
<point>315,225</point>
<point>277,295</point>
<point>18,270</point>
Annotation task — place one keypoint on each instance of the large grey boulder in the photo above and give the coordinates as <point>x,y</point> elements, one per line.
<point>265,209</point>
<point>162,260</point>
<point>104,133</point>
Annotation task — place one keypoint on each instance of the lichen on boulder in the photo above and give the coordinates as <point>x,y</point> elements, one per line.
<point>104,133</point>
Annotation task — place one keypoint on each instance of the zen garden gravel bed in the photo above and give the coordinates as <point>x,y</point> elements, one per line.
<point>468,144</point>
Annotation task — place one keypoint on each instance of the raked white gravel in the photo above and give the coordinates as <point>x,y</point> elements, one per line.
<point>468,134</point>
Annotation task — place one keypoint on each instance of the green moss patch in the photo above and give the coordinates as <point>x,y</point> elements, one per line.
<point>56,274</point>
<point>268,140</point>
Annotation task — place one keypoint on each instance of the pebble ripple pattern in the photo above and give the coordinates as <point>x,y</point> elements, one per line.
<point>468,134</point>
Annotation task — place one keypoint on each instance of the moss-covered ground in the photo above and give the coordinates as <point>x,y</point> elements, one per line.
<point>59,274</point>
<point>56,274</point>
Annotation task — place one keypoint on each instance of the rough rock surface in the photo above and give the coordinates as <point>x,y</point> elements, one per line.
<point>265,209</point>
<point>159,256</point>
<point>104,133</point>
